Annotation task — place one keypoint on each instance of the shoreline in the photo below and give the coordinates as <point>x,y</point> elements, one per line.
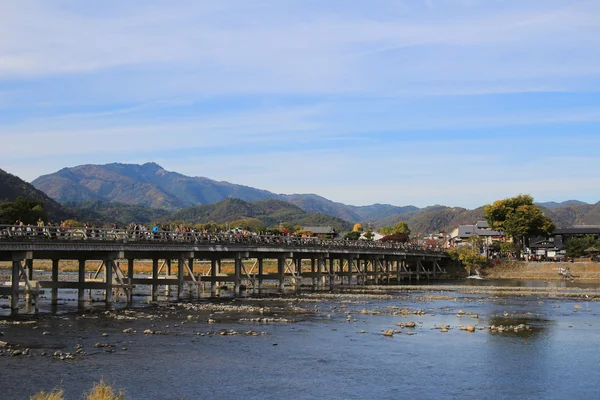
<point>543,271</point>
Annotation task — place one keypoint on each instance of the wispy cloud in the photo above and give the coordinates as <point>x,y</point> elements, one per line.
<point>293,96</point>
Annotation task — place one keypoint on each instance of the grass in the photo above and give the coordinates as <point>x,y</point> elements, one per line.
<point>104,391</point>
<point>100,391</point>
<point>55,394</point>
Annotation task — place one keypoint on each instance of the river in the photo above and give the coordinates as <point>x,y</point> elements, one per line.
<point>317,345</point>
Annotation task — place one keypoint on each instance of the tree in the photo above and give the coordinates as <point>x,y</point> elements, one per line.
<point>369,235</point>
<point>576,246</point>
<point>357,228</point>
<point>249,224</point>
<point>401,228</point>
<point>469,257</point>
<point>518,218</point>
<point>23,209</point>
<point>352,236</point>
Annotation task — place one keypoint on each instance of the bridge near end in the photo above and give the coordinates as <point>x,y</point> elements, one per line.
<point>193,260</point>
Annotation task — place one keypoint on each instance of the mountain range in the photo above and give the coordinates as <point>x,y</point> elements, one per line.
<point>152,186</point>
<point>143,193</point>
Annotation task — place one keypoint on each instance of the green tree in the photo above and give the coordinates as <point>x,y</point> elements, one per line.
<point>469,257</point>
<point>576,246</point>
<point>352,235</point>
<point>369,235</point>
<point>249,224</point>
<point>23,209</point>
<point>518,218</point>
<point>401,228</point>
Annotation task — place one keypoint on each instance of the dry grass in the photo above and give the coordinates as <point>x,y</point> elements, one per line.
<point>104,391</point>
<point>543,270</point>
<point>55,394</point>
<point>100,391</point>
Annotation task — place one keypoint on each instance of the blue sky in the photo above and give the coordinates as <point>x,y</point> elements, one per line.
<point>455,102</point>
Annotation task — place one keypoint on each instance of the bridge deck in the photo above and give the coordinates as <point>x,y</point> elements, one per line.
<point>322,262</point>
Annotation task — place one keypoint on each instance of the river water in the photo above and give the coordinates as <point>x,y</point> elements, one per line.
<point>331,347</point>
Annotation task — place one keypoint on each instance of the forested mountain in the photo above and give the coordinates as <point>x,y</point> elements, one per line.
<point>575,214</point>
<point>148,185</point>
<point>152,186</point>
<point>102,212</point>
<point>144,193</point>
<point>551,205</point>
<point>12,187</point>
<point>435,219</point>
<point>270,212</point>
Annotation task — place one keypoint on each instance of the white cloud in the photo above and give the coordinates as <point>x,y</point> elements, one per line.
<point>314,96</point>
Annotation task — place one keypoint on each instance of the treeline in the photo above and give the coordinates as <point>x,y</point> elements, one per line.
<point>577,246</point>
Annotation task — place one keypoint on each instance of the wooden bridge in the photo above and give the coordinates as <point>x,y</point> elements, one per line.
<point>324,263</point>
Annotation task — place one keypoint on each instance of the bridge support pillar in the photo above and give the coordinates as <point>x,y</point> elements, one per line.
<point>29,264</point>
<point>130,265</point>
<point>298,280</point>
<point>238,274</point>
<point>260,274</point>
<point>108,276</point>
<point>168,271</point>
<point>81,283</point>
<point>180,267</point>
<point>213,275</point>
<point>281,272</point>
<point>320,266</point>
<point>54,293</point>
<point>331,274</point>
<point>154,279</point>
<point>14,294</point>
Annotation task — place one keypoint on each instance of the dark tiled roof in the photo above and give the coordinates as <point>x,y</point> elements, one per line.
<point>320,230</point>
<point>579,230</point>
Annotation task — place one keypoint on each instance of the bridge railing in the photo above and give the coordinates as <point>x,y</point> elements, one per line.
<point>62,234</point>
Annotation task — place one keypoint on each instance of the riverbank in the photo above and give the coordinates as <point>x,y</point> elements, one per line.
<point>546,271</point>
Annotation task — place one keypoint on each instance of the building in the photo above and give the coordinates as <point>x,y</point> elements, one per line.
<point>481,229</point>
<point>554,246</point>
<point>323,232</point>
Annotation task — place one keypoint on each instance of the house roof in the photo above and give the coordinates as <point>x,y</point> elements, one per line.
<point>465,231</point>
<point>579,230</point>
<point>543,243</point>
<point>320,230</point>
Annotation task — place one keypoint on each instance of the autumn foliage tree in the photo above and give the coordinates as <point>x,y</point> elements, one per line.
<point>518,218</point>
<point>397,233</point>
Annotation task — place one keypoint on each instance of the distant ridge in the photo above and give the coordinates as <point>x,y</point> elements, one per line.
<point>551,205</point>
<point>152,186</point>
<point>148,192</point>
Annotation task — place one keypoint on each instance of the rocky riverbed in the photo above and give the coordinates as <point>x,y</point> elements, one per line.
<point>377,330</point>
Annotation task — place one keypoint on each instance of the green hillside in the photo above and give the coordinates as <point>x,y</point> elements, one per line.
<point>12,187</point>
<point>271,212</point>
